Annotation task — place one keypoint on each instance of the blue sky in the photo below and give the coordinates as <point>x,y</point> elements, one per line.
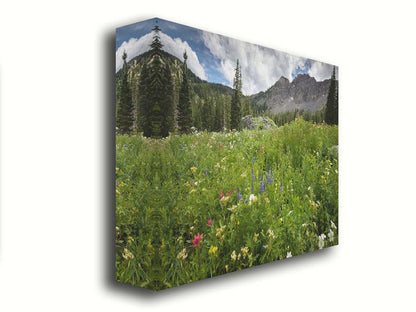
<point>213,57</point>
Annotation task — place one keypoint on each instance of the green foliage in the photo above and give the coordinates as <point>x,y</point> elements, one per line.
<point>125,108</point>
<point>283,118</point>
<point>155,107</point>
<point>184,106</point>
<point>246,110</point>
<point>331,112</point>
<point>167,190</point>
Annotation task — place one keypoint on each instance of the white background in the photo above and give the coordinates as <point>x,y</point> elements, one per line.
<point>56,156</point>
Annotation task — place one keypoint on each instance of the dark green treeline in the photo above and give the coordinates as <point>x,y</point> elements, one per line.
<point>331,111</point>
<point>165,96</point>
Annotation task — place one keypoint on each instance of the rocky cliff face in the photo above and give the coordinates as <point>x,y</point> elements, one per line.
<point>303,93</point>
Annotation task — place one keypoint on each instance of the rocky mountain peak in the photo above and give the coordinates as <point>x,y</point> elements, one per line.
<point>303,93</point>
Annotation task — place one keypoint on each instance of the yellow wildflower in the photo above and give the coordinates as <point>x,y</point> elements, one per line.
<point>233,256</point>
<point>244,251</point>
<point>243,175</point>
<point>233,208</point>
<point>271,233</point>
<point>267,200</point>
<point>226,268</point>
<point>194,169</point>
<point>220,231</point>
<point>183,254</point>
<point>256,236</point>
<point>130,239</point>
<point>224,200</point>
<point>212,250</point>
<point>127,254</point>
<point>313,204</point>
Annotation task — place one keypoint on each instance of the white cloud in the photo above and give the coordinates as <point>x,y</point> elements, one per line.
<point>320,71</point>
<point>261,67</point>
<point>174,46</point>
<point>133,47</point>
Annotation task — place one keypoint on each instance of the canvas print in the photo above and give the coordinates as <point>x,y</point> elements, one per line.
<point>226,155</point>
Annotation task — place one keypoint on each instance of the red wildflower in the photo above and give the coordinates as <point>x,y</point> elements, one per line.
<point>209,222</point>
<point>221,195</point>
<point>197,240</point>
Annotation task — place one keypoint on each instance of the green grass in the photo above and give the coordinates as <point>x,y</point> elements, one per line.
<point>167,190</point>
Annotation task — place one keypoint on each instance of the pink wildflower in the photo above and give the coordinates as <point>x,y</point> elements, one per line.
<point>221,195</point>
<point>228,193</point>
<point>197,240</point>
<point>209,222</point>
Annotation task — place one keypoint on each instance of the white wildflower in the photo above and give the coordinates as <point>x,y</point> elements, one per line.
<point>331,235</point>
<point>289,254</point>
<point>321,241</point>
<point>252,198</point>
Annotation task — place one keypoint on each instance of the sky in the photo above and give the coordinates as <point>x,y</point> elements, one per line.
<point>212,57</point>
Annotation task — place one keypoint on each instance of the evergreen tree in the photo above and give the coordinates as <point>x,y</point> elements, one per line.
<point>206,113</point>
<point>246,107</point>
<point>331,111</point>
<point>156,93</point>
<point>196,112</point>
<point>227,112</point>
<point>219,114</point>
<point>125,110</point>
<point>236,100</point>
<point>184,105</point>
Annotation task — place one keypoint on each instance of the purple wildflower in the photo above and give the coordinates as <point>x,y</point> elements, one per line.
<point>206,172</point>
<point>239,196</point>
<point>253,178</point>
<point>252,187</point>
<point>262,186</point>
<point>270,179</point>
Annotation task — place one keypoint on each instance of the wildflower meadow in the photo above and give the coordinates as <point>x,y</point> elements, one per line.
<point>194,206</point>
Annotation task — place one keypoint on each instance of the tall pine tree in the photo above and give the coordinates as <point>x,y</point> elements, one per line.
<point>236,100</point>
<point>184,105</point>
<point>125,110</point>
<point>156,93</point>
<point>246,110</point>
<point>331,111</point>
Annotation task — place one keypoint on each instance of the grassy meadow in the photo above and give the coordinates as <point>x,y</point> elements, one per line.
<point>190,207</point>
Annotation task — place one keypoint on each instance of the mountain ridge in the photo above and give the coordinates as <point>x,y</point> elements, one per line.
<point>303,93</point>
